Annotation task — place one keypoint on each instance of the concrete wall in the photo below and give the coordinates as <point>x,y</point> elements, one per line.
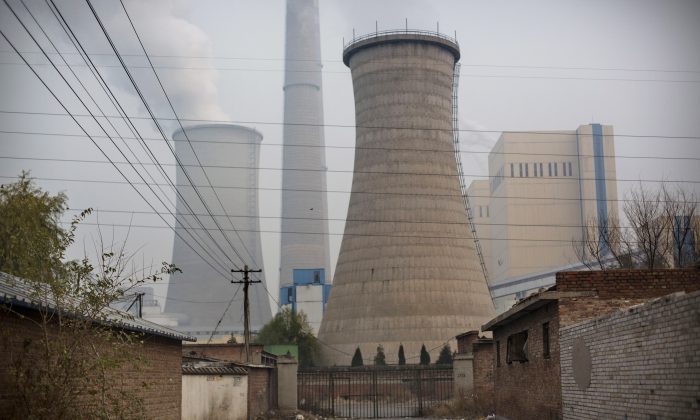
<point>639,363</point>
<point>157,381</point>
<point>407,270</point>
<point>529,390</point>
<point>221,397</point>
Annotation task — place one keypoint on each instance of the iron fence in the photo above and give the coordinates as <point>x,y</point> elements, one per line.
<point>373,392</point>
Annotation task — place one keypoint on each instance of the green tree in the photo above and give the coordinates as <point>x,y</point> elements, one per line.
<point>402,356</point>
<point>357,358</point>
<point>424,356</point>
<point>380,357</point>
<point>445,357</point>
<point>290,327</point>
<point>32,242</point>
<point>63,370</point>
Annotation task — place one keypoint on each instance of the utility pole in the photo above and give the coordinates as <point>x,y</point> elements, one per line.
<point>246,305</point>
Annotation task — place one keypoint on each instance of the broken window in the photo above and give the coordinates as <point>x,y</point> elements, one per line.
<point>545,340</point>
<point>517,347</point>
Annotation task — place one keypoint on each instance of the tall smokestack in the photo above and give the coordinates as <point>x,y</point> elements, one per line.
<point>304,238</point>
<point>199,295</point>
<point>407,272</point>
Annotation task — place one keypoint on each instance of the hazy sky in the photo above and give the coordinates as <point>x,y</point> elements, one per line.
<point>535,65</point>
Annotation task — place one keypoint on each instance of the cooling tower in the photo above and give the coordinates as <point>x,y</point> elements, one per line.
<point>200,295</point>
<point>304,238</point>
<point>407,272</point>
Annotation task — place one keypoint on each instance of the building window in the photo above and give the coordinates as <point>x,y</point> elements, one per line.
<point>520,167</point>
<point>535,165</point>
<point>555,169</point>
<point>487,211</point>
<point>290,295</point>
<point>317,277</point>
<point>512,171</point>
<point>498,353</point>
<point>550,168</point>
<point>527,172</point>
<point>571,173</point>
<point>541,170</point>
<point>517,348</point>
<point>545,340</point>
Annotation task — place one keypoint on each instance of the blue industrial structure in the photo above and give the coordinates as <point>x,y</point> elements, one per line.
<point>308,277</point>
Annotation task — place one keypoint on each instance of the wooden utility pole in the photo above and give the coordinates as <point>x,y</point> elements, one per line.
<point>246,305</point>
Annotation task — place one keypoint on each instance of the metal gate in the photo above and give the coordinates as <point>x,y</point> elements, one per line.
<point>373,392</point>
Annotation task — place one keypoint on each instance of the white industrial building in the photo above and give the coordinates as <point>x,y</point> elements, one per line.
<point>543,189</point>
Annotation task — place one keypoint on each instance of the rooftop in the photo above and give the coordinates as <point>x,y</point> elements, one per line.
<point>399,36</point>
<point>15,291</point>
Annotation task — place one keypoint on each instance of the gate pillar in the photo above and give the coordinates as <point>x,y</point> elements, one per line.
<point>287,383</point>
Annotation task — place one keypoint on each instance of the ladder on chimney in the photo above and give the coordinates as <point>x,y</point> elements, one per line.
<point>458,157</point>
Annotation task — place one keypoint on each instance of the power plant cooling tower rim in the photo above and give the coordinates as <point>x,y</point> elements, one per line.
<point>179,133</point>
<point>399,36</point>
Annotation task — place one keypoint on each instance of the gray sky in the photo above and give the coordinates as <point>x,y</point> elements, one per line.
<point>536,65</point>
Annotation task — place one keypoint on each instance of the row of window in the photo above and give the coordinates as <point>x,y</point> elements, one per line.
<point>523,169</point>
<point>517,346</point>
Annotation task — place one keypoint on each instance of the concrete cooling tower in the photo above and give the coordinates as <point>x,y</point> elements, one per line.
<point>304,238</point>
<point>407,272</point>
<point>199,295</point>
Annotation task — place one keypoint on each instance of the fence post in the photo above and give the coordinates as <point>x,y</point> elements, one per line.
<point>420,391</point>
<point>332,392</point>
<point>374,391</point>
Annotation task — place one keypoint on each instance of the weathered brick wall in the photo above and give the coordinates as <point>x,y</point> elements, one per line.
<point>618,288</point>
<point>262,390</point>
<point>529,390</point>
<point>226,352</point>
<point>157,380</point>
<point>645,362</point>
<point>483,368</point>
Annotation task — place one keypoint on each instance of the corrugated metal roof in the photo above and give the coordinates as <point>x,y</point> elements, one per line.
<point>16,291</point>
<point>214,370</point>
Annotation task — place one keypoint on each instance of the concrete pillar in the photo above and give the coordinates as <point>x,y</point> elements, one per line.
<point>463,365</point>
<point>287,383</point>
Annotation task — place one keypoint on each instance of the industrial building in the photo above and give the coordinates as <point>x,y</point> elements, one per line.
<point>544,188</point>
<point>308,294</point>
<point>304,226</point>
<point>407,272</point>
<point>199,296</point>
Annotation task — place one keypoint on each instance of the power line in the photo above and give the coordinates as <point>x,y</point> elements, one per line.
<point>347,72</point>
<point>554,225</point>
<point>108,92</point>
<point>184,132</point>
<point>546,179</point>
<point>53,94</point>
<point>519,66</point>
<point>467,130</point>
<point>374,235</point>
<point>463,151</point>
<point>223,314</point>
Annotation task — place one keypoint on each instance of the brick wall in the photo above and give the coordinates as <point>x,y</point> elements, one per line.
<point>644,362</point>
<point>529,390</point>
<point>618,288</point>
<point>157,380</point>
<point>227,352</point>
<point>483,369</point>
<point>262,390</point>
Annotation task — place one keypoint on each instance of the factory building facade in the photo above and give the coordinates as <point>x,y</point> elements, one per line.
<point>308,294</point>
<point>544,189</point>
<point>407,271</point>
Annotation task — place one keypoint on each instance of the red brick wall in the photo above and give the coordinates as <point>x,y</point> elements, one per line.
<point>465,341</point>
<point>529,390</point>
<point>262,390</point>
<point>618,288</point>
<point>157,380</point>
<point>226,352</point>
<point>483,368</point>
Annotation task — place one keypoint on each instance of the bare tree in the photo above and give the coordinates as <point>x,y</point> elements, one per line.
<point>680,208</point>
<point>661,231</point>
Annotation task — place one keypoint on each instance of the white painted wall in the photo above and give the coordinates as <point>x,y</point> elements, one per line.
<point>221,397</point>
